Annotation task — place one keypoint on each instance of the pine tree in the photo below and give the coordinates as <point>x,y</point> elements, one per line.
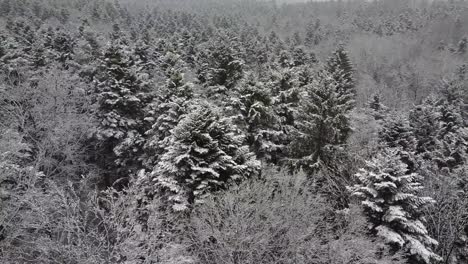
<point>378,109</point>
<point>322,126</point>
<point>206,154</point>
<point>462,45</point>
<point>440,129</point>
<point>122,93</point>
<point>311,31</point>
<point>252,103</point>
<point>396,132</point>
<point>452,133</point>
<point>299,57</point>
<point>285,95</point>
<point>341,69</point>
<point>284,59</point>
<point>165,114</point>
<point>222,64</point>
<point>424,121</point>
<point>391,202</point>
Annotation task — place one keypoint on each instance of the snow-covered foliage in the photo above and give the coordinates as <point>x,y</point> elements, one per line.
<point>122,92</point>
<point>322,126</point>
<point>390,197</point>
<point>221,65</point>
<point>341,70</point>
<point>397,133</point>
<point>165,114</point>
<point>205,153</point>
<point>252,104</point>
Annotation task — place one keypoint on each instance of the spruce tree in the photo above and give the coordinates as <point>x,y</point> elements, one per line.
<point>396,132</point>
<point>253,106</point>
<point>452,134</point>
<point>424,122</point>
<point>378,109</point>
<point>322,126</point>
<point>389,195</point>
<point>341,69</point>
<point>440,129</point>
<point>463,45</point>
<point>300,57</point>
<point>165,114</point>
<point>206,153</point>
<point>221,64</point>
<point>286,95</point>
<point>122,95</point>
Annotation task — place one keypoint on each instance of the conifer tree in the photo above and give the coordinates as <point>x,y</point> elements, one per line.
<point>123,93</point>
<point>396,132</point>
<point>285,95</point>
<point>206,154</point>
<point>341,69</point>
<point>463,45</point>
<point>165,114</point>
<point>322,126</point>
<point>379,110</point>
<point>285,60</point>
<point>424,122</point>
<point>391,202</point>
<point>440,129</point>
<point>222,64</point>
<point>452,133</point>
<point>252,102</point>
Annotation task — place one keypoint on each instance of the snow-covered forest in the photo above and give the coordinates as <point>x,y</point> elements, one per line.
<point>233,132</point>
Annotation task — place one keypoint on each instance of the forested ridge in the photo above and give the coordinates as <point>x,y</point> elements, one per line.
<point>233,131</point>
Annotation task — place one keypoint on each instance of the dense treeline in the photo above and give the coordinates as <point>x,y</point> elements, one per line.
<point>233,132</point>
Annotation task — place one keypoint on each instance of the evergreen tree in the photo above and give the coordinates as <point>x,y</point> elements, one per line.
<point>122,93</point>
<point>463,45</point>
<point>396,132</point>
<point>285,95</point>
<point>205,154</point>
<point>340,68</point>
<point>284,59</point>
<point>252,102</point>
<point>393,206</point>
<point>379,110</point>
<point>299,57</point>
<point>165,114</point>
<point>440,129</point>
<point>310,35</point>
<point>222,64</point>
<point>322,126</point>
<point>424,122</point>
<point>452,134</point>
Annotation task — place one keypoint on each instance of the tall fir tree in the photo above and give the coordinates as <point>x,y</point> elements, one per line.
<point>322,127</point>
<point>389,195</point>
<point>396,132</point>
<point>221,64</point>
<point>206,153</point>
<point>440,129</point>
<point>340,68</point>
<point>378,110</point>
<point>286,95</point>
<point>424,121</point>
<point>165,114</point>
<point>253,107</point>
<point>122,93</point>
